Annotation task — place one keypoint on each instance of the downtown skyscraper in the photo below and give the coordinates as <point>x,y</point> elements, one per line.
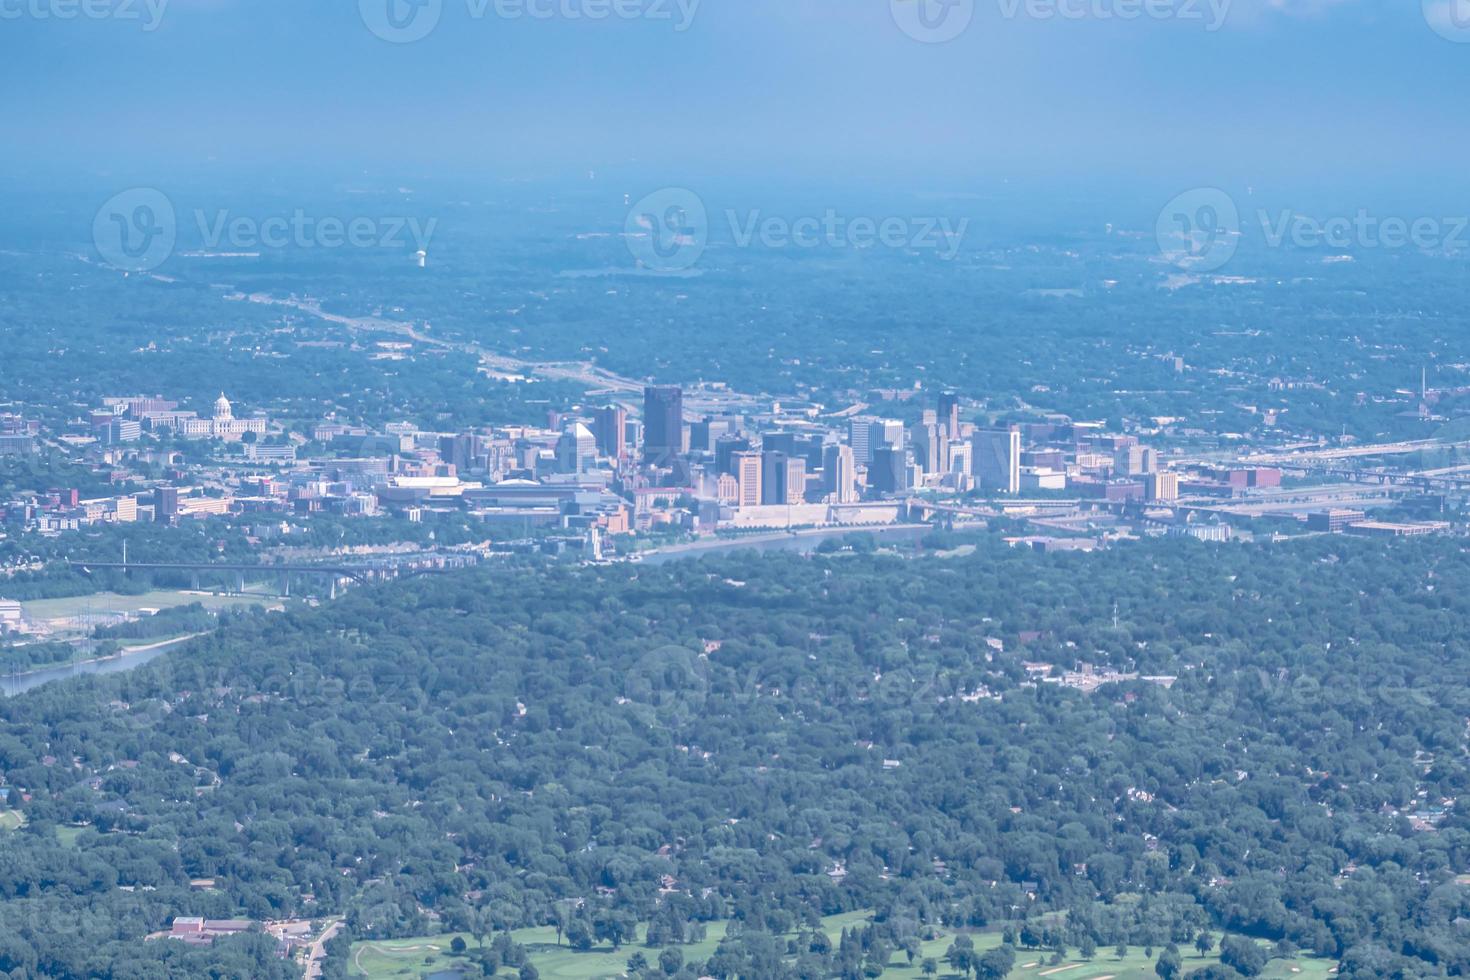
<point>663,425</point>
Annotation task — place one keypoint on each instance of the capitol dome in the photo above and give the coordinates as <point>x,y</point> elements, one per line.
<point>222,408</point>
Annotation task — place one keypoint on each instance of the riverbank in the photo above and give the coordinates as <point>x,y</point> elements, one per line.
<point>18,682</point>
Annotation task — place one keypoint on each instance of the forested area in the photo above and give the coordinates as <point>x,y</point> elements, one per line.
<point>769,739</point>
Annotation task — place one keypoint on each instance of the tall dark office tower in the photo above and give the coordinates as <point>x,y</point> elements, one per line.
<point>458,451</point>
<point>609,426</point>
<point>810,448</point>
<point>996,457</point>
<point>773,477</point>
<point>663,425</point>
<point>699,436</point>
<point>886,472</point>
<point>949,414</point>
<point>165,504</point>
<point>725,449</point>
<point>779,442</point>
<point>705,433</point>
<point>783,478</point>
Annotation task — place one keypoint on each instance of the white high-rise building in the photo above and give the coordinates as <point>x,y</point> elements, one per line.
<point>576,450</point>
<point>839,474</point>
<point>748,476</point>
<point>892,433</point>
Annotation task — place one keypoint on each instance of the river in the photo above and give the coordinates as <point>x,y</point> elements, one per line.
<point>18,683</point>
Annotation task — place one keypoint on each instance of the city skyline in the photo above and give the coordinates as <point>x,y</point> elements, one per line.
<point>734,490</point>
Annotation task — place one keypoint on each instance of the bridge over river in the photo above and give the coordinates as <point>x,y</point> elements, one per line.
<point>333,574</point>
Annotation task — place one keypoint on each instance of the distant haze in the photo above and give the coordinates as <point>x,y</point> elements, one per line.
<point>1354,94</point>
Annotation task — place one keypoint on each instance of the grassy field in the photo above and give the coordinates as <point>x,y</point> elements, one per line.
<point>11,820</point>
<point>68,834</point>
<point>111,602</point>
<point>413,958</point>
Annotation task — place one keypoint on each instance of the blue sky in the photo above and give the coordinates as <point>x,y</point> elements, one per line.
<point>1312,94</point>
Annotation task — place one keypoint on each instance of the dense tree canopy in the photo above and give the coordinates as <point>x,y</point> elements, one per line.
<point>771,739</point>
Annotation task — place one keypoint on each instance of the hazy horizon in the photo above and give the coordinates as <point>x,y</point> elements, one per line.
<point>1316,95</point>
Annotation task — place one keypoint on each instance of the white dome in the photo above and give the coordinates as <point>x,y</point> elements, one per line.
<point>222,408</point>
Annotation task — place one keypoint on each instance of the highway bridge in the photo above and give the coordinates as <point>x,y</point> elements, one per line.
<point>1338,462</point>
<point>335,575</point>
<point>924,509</point>
<point>1426,480</point>
<point>1300,455</point>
